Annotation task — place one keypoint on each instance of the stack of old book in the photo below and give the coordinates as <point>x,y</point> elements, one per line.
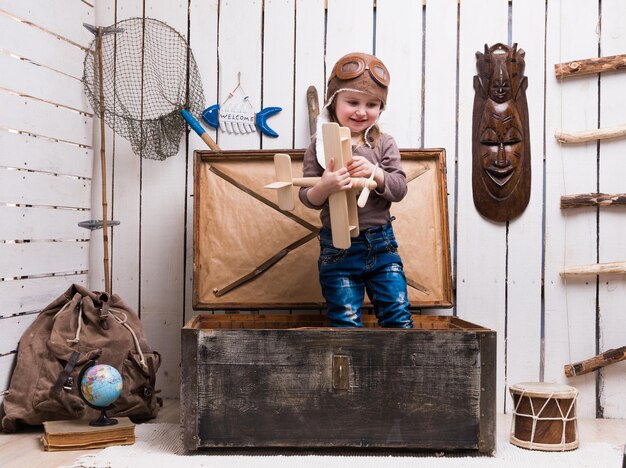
<point>79,435</point>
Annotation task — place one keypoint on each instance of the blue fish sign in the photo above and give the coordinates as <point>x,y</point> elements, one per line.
<point>237,119</point>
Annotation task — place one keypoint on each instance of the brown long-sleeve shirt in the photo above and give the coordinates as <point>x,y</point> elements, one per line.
<point>376,211</point>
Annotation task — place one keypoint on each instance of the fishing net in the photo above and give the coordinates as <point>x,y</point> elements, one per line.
<point>149,75</point>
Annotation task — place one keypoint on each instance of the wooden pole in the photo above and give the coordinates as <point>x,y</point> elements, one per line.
<point>105,230</point>
<point>595,269</point>
<point>591,135</point>
<point>209,141</point>
<point>199,129</point>
<point>589,66</point>
<point>589,365</point>
<point>592,199</point>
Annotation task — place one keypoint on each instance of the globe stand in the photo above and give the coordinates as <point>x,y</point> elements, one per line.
<point>103,420</point>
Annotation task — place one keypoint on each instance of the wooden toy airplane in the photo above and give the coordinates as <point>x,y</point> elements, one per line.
<point>342,205</point>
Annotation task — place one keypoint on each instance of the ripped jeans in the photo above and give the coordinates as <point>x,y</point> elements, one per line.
<point>371,264</point>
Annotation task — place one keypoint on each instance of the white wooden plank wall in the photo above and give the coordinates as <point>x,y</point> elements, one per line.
<point>570,236</point>
<point>481,279</point>
<point>46,159</point>
<point>506,275</point>
<point>611,169</point>
<point>522,340</point>
<point>203,17</point>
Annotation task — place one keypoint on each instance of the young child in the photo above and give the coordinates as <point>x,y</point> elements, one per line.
<point>356,95</point>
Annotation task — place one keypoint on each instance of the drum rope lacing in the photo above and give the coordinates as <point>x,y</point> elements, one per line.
<point>565,418</point>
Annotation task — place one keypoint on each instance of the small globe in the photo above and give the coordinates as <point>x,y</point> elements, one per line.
<point>101,385</point>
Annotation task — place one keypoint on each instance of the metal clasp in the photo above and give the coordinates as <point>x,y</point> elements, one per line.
<point>341,372</point>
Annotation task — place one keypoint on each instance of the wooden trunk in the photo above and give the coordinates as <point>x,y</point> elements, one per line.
<point>287,381</point>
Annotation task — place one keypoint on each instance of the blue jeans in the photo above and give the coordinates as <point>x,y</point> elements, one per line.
<point>371,264</point>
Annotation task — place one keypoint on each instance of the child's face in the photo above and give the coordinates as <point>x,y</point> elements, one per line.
<point>357,111</point>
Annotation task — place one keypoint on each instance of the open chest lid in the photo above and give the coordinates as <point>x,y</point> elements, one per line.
<point>249,254</point>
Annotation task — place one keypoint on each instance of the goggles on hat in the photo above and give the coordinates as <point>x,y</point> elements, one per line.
<point>352,66</point>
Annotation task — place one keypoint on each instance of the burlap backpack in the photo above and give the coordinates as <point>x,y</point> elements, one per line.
<point>76,328</point>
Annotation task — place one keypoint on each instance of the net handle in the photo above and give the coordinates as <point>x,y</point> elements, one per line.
<point>199,129</point>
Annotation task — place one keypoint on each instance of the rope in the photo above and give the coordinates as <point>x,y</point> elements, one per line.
<point>79,326</point>
<point>61,311</point>
<point>79,319</point>
<point>118,315</point>
<point>132,332</point>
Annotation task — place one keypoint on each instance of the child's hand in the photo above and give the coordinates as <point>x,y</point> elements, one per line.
<point>331,182</point>
<point>360,167</point>
<point>335,181</point>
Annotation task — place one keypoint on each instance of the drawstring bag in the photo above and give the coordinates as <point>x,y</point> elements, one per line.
<point>80,326</point>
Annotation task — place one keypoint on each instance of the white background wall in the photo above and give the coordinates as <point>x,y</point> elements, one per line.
<point>506,275</point>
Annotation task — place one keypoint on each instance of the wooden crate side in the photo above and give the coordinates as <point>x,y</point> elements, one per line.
<point>275,388</point>
<point>488,368</point>
<point>189,388</point>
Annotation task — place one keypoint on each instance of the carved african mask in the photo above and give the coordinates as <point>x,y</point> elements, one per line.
<point>501,146</point>
<point>500,134</point>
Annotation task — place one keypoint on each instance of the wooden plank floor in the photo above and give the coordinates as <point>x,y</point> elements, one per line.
<point>23,450</point>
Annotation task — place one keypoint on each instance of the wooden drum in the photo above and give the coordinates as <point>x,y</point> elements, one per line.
<point>544,416</point>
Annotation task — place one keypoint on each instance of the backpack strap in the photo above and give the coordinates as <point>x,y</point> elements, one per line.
<point>146,391</point>
<point>103,307</point>
<point>67,370</point>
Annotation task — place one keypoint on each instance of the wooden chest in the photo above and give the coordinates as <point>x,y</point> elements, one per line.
<point>249,254</point>
<point>277,381</point>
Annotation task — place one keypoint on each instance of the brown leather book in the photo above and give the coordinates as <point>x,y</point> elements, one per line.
<point>79,435</point>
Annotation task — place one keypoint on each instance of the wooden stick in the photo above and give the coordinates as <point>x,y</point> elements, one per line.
<point>209,141</point>
<point>592,199</point>
<point>589,66</point>
<point>265,265</point>
<point>595,269</point>
<point>591,135</point>
<point>415,174</point>
<point>103,163</point>
<point>583,367</point>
